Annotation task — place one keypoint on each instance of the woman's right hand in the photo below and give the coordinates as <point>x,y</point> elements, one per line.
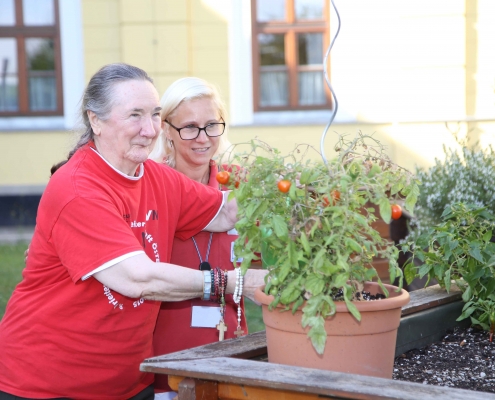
<point>253,279</point>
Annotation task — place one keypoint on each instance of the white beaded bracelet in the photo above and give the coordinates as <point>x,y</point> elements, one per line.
<point>239,281</point>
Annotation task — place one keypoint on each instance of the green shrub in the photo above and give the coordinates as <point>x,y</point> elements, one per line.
<point>465,176</point>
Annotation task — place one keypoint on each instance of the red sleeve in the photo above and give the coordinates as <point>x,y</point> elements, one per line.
<point>89,233</point>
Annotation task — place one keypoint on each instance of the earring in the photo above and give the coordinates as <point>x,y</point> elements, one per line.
<point>170,143</point>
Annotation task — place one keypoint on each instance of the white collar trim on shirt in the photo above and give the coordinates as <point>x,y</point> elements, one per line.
<point>132,178</point>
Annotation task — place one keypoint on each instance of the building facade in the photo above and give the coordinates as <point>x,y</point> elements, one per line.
<point>411,73</point>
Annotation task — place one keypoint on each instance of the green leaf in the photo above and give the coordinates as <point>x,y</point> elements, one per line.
<point>466,296</point>
<point>305,244</point>
<point>423,270</point>
<point>410,271</point>
<point>314,284</point>
<point>385,209</point>
<point>475,252</point>
<point>352,309</point>
<point>353,245</point>
<point>318,335</point>
<point>280,227</point>
<point>447,280</point>
<point>304,178</point>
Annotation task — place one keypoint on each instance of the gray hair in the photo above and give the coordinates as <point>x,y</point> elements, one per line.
<point>98,96</point>
<point>182,90</point>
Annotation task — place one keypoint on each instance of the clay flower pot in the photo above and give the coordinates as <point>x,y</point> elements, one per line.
<point>366,347</point>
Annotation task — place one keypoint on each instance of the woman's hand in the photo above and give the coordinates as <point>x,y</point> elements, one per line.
<point>253,279</point>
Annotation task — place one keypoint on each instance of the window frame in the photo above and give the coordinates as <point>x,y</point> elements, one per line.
<point>20,32</point>
<point>290,28</point>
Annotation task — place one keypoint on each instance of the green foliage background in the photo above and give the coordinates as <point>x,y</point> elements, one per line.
<point>11,266</point>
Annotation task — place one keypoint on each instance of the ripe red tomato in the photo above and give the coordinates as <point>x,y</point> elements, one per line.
<point>223,177</point>
<point>396,211</point>
<point>284,185</point>
<point>335,194</point>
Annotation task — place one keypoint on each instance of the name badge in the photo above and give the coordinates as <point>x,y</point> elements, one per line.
<point>205,317</point>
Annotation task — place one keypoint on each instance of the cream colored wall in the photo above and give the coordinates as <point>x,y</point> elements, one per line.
<point>429,138</point>
<point>441,53</point>
<point>30,155</point>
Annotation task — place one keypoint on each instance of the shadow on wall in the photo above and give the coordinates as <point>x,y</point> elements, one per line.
<point>18,210</point>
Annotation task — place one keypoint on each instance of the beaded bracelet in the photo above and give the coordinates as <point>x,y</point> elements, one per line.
<point>206,285</point>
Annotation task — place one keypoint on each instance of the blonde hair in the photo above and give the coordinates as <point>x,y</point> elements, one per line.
<point>182,90</point>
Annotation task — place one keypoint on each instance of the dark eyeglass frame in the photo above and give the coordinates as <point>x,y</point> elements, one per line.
<point>198,128</point>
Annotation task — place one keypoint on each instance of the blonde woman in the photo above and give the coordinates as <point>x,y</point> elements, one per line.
<point>194,132</point>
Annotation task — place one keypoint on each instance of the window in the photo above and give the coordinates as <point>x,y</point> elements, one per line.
<point>30,63</point>
<point>290,38</point>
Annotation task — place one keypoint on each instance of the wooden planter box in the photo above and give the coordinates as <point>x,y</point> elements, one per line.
<point>237,368</point>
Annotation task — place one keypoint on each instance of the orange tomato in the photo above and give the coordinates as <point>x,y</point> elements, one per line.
<point>284,185</point>
<point>223,177</point>
<point>335,194</point>
<point>396,211</point>
<point>236,184</point>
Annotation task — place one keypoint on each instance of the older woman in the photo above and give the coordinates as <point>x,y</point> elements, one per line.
<point>193,132</point>
<point>82,319</point>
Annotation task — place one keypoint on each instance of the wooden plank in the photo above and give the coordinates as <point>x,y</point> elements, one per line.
<point>248,346</point>
<point>307,380</point>
<point>232,391</point>
<point>430,297</point>
<point>197,389</point>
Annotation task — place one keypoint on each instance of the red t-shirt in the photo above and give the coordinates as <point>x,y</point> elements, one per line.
<point>173,330</point>
<point>65,337</point>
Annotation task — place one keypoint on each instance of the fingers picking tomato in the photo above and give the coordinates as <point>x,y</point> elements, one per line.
<point>396,211</point>
<point>223,177</point>
<point>284,185</point>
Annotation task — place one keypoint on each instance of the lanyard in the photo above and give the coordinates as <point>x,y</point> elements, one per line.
<point>203,265</point>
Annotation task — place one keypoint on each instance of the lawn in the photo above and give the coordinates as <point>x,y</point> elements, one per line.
<point>12,263</point>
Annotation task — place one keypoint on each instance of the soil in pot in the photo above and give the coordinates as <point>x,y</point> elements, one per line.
<point>366,347</point>
<point>463,359</point>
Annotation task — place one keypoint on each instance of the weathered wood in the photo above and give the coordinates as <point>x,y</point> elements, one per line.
<point>306,380</point>
<point>197,389</point>
<point>430,297</point>
<point>248,379</point>
<point>233,391</point>
<point>248,346</point>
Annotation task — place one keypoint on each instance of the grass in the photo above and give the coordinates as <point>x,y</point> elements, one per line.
<point>12,264</point>
<point>254,317</point>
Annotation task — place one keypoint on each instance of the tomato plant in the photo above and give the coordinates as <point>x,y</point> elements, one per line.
<point>223,177</point>
<point>396,211</point>
<point>317,240</point>
<point>284,185</point>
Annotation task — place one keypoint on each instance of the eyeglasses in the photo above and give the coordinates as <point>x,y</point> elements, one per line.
<point>192,132</point>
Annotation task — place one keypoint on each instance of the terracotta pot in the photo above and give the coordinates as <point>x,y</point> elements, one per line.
<point>366,347</point>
